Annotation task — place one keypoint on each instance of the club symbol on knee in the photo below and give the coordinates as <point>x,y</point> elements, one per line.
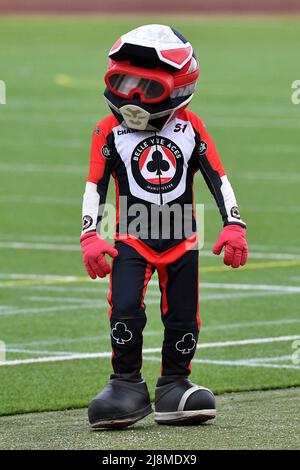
<point>186,344</point>
<point>120,333</point>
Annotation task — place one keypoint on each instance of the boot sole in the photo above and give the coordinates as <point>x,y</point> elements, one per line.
<point>185,417</point>
<point>122,422</point>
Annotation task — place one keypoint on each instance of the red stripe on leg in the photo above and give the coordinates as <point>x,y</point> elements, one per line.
<point>148,274</point>
<point>109,297</point>
<point>163,279</point>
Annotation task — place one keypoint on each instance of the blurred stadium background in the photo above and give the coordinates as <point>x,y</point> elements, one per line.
<point>53,320</point>
<point>155,6</point>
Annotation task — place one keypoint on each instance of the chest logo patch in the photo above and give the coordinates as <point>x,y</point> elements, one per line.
<point>157,164</point>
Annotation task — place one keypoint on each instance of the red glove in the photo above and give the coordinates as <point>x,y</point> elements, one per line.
<point>93,249</point>
<point>233,237</point>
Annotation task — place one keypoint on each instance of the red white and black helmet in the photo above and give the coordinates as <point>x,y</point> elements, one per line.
<point>151,77</point>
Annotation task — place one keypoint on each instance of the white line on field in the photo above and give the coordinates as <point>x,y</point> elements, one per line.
<point>216,121</point>
<point>42,246</point>
<point>242,342</point>
<point>253,324</point>
<point>80,300</point>
<point>43,277</point>
<point>265,287</point>
<point>259,293</point>
<point>63,341</point>
<point>30,311</point>
<point>274,256</point>
<point>152,298</point>
<point>57,118</point>
<point>262,209</point>
<point>99,290</point>
<point>76,302</point>
<point>240,363</point>
<point>89,290</point>
<point>255,123</point>
<point>72,353</point>
<point>38,246</point>
<point>38,360</point>
<point>83,304</point>
<point>40,200</point>
<point>34,168</point>
<point>40,238</point>
<point>98,338</point>
<point>244,363</point>
<point>153,289</point>
<point>268,248</point>
<point>153,282</point>
<point>244,295</point>
<point>266,175</point>
<point>32,280</point>
<point>52,200</point>
<point>88,339</point>
<point>269,359</point>
<point>73,239</point>
<point>80,340</point>
<point>39,351</point>
<point>95,355</point>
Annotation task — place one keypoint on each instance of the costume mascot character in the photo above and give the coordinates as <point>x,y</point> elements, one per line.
<point>152,146</point>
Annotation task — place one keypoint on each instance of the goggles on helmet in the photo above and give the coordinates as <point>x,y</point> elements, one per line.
<point>152,85</point>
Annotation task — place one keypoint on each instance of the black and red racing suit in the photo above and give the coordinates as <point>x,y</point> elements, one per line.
<point>155,223</point>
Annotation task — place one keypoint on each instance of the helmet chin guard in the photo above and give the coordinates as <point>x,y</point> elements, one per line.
<point>135,117</point>
<point>151,77</point>
<point>144,117</point>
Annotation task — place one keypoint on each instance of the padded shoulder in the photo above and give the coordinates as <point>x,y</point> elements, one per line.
<point>194,119</point>
<point>106,125</point>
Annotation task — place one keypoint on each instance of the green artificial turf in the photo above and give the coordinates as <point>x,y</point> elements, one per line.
<point>53,69</point>
<point>249,420</point>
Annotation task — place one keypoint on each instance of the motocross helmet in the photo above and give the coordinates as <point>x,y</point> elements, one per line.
<point>151,77</point>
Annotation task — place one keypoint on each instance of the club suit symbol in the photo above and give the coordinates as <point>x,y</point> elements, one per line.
<point>120,333</point>
<point>158,164</point>
<point>186,344</point>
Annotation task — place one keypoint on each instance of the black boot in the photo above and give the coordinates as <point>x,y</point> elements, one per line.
<point>121,403</point>
<point>182,402</point>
